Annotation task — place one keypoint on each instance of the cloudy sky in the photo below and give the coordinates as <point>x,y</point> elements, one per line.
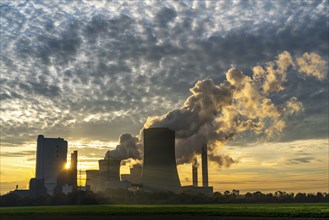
<point>89,71</point>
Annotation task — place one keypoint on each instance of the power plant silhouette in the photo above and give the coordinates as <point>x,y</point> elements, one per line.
<point>158,172</point>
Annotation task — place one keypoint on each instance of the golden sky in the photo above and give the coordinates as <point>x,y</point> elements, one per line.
<point>298,166</point>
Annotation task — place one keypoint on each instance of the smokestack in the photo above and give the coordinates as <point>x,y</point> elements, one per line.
<point>74,168</point>
<point>159,168</point>
<point>195,172</point>
<point>204,157</point>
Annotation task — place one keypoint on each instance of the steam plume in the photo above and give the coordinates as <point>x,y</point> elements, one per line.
<point>128,148</point>
<point>215,113</point>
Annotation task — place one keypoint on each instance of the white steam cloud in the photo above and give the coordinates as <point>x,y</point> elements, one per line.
<point>215,113</point>
<point>127,148</point>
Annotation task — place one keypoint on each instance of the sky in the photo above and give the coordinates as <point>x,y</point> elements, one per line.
<point>89,71</point>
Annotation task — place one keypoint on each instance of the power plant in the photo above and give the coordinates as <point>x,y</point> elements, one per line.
<point>158,172</point>
<point>159,167</point>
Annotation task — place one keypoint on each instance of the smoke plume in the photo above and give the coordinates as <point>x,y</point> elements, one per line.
<point>215,113</point>
<point>129,147</point>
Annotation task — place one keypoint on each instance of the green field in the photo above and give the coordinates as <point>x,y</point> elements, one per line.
<point>252,210</point>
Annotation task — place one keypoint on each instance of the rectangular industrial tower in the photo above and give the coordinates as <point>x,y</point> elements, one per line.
<point>204,157</point>
<point>74,168</point>
<point>51,160</point>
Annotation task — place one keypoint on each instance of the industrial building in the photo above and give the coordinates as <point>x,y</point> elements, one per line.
<point>93,180</point>
<point>159,164</point>
<point>135,175</point>
<point>67,178</point>
<point>51,174</point>
<point>36,190</point>
<point>51,160</point>
<point>74,168</point>
<point>159,170</point>
<point>107,177</point>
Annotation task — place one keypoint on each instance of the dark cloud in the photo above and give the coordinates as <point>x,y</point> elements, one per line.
<point>301,160</point>
<point>18,154</point>
<point>164,16</point>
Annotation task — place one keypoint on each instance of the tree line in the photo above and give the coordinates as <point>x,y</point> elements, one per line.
<point>141,197</point>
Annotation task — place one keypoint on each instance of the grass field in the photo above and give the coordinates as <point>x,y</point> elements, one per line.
<point>247,210</point>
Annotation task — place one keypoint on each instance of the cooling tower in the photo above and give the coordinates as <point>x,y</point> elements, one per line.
<point>159,168</point>
<point>204,157</point>
<point>110,172</point>
<point>93,180</point>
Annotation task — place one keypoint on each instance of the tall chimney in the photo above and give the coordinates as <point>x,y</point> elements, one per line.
<point>195,172</point>
<point>204,157</point>
<point>74,168</point>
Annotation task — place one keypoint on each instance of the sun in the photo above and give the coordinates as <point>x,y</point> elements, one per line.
<point>67,166</point>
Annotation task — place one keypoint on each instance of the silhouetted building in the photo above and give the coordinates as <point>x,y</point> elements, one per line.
<point>74,168</point>
<point>107,177</point>
<point>93,180</point>
<point>135,175</point>
<point>22,193</point>
<point>159,168</point>
<point>36,190</point>
<point>51,160</point>
<point>67,179</point>
<point>110,173</point>
<point>204,162</point>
